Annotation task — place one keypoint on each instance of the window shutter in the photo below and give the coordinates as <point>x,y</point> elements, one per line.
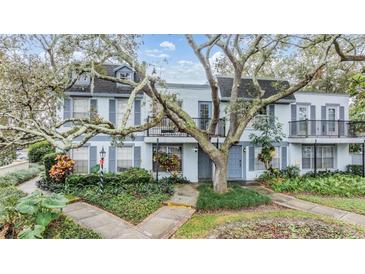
<point>251,158</point>
<point>137,112</point>
<point>313,122</point>
<point>137,156</point>
<point>293,124</point>
<point>272,113</point>
<point>324,122</point>
<point>284,157</point>
<point>93,106</point>
<point>93,157</point>
<point>112,112</point>
<point>67,112</point>
<point>112,159</point>
<point>341,124</point>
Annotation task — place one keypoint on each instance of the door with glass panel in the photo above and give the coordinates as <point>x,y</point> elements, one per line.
<point>303,115</point>
<point>331,121</point>
<point>204,114</point>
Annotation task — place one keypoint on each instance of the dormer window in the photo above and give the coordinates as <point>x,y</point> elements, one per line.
<point>126,76</point>
<point>124,73</point>
<point>83,80</point>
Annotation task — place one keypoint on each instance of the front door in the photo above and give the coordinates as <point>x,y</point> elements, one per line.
<point>235,163</point>
<point>204,166</point>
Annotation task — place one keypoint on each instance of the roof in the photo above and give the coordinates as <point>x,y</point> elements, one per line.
<point>247,89</point>
<point>104,86</point>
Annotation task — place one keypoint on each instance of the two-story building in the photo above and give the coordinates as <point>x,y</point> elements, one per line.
<point>312,121</point>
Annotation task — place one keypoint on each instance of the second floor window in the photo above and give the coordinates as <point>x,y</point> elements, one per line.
<point>121,106</point>
<point>81,108</point>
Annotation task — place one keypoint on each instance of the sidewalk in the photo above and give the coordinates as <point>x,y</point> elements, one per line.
<point>161,224</point>
<point>294,203</point>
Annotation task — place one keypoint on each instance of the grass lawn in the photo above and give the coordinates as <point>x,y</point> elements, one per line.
<point>356,205</point>
<point>65,228</point>
<point>277,223</point>
<point>236,198</point>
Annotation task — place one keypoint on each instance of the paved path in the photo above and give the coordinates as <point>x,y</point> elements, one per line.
<point>161,224</point>
<point>294,203</point>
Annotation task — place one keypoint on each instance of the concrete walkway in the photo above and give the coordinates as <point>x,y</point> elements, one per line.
<point>294,203</point>
<point>161,224</point>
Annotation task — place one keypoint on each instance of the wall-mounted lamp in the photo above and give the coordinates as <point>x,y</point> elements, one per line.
<point>195,149</point>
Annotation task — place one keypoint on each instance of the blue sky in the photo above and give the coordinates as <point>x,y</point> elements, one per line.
<point>173,58</point>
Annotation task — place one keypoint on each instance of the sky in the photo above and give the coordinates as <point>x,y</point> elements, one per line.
<point>173,58</point>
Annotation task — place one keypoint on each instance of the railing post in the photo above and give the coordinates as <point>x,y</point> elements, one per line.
<point>148,130</point>
<point>315,158</point>
<point>306,127</point>
<point>338,128</point>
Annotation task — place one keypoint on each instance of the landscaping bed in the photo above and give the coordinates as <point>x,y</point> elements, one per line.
<point>266,224</point>
<point>21,176</point>
<point>236,198</point>
<point>131,195</point>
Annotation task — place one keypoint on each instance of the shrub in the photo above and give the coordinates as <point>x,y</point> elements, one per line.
<point>174,180</point>
<point>236,198</point>
<point>338,184</point>
<point>62,168</point>
<point>20,176</point>
<point>136,175</point>
<point>38,150</point>
<point>48,161</point>
<point>291,172</point>
<point>40,210</point>
<point>354,169</point>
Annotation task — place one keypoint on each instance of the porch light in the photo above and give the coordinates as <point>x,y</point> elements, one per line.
<point>102,153</point>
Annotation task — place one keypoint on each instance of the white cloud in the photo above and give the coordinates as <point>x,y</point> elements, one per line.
<point>215,57</point>
<point>185,62</point>
<point>168,45</point>
<point>156,53</point>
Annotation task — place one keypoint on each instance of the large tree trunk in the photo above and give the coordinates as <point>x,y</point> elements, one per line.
<point>220,173</point>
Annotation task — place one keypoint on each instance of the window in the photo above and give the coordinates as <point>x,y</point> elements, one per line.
<point>303,115</point>
<point>124,158</point>
<point>81,157</point>
<point>325,157</point>
<point>121,107</point>
<point>261,113</point>
<point>204,115</point>
<point>331,116</point>
<point>81,108</point>
<point>260,165</point>
<point>125,73</point>
<point>170,150</point>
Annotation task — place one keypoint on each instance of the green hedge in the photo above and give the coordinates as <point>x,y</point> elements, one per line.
<point>354,169</point>
<point>37,151</point>
<point>21,176</point>
<point>131,176</point>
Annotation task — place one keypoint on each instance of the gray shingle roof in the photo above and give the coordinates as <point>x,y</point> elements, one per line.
<point>247,89</point>
<point>103,86</point>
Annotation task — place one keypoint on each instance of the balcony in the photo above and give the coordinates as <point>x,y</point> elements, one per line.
<point>326,128</point>
<point>167,128</point>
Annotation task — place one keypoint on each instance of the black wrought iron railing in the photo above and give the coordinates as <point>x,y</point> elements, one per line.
<point>327,128</point>
<point>168,129</point>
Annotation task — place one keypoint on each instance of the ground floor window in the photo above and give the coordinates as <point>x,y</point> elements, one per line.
<point>170,150</point>
<point>124,158</point>
<point>260,165</point>
<point>325,157</point>
<point>81,157</point>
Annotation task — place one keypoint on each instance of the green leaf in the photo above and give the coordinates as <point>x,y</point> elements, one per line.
<point>95,169</point>
<point>55,201</point>
<point>35,233</point>
<point>44,218</point>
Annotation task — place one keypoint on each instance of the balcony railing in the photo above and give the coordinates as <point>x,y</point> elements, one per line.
<point>326,128</point>
<point>167,128</point>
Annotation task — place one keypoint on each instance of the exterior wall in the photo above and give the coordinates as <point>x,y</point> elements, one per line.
<point>191,96</point>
